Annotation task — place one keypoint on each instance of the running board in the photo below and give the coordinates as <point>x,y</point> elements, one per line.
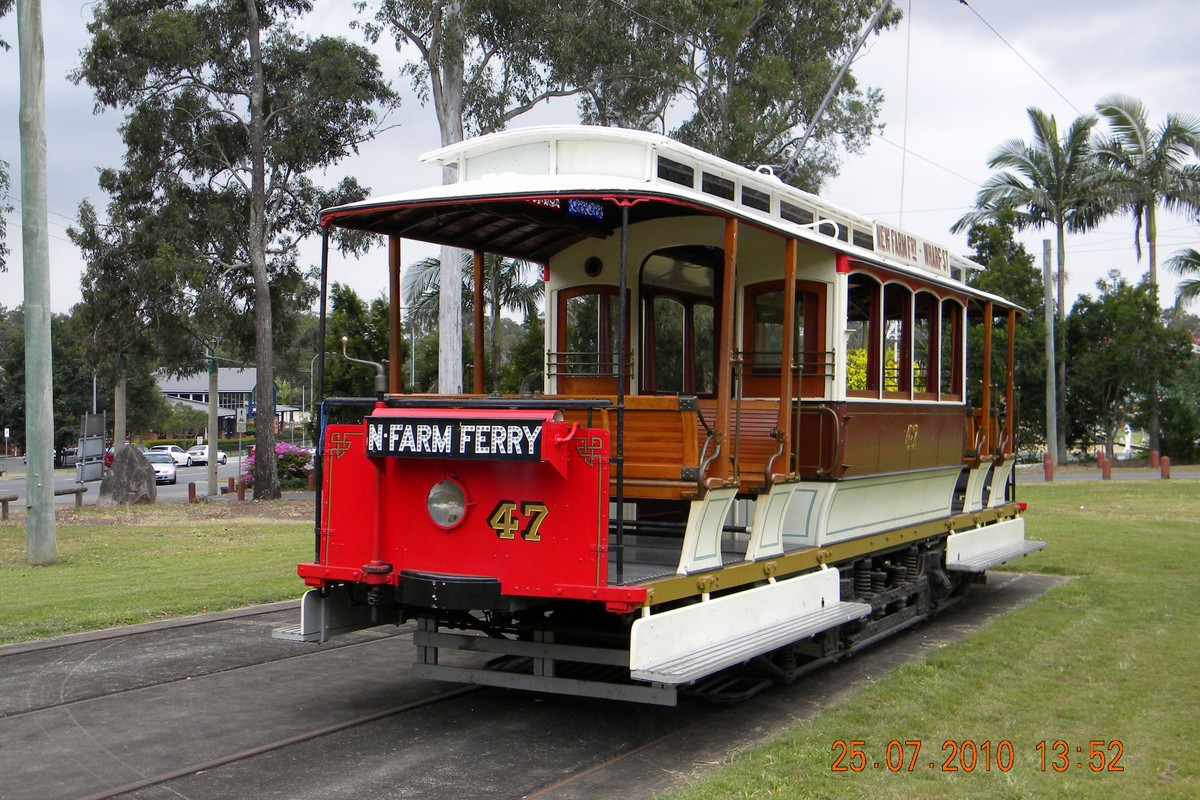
<point>980,549</point>
<point>688,643</point>
<point>322,617</point>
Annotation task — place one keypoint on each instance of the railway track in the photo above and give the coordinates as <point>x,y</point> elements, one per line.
<point>206,713</point>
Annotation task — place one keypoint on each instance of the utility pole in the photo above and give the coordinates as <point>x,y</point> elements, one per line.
<point>1051,387</point>
<point>35,246</point>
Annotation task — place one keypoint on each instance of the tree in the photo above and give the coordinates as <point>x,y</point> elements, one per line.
<point>1150,166</point>
<point>1116,350</point>
<point>525,369</point>
<point>1186,263</point>
<point>509,285</point>
<point>1047,182</point>
<point>365,326</point>
<point>756,72</point>
<point>228,111</point>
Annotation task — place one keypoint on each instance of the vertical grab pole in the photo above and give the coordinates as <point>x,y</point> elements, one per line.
<point>318,400</point>
<point>986,393</point>
<point>622,376</point>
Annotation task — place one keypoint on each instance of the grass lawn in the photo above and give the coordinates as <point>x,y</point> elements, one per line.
<point>124,566</point>
<point>1113,656</point>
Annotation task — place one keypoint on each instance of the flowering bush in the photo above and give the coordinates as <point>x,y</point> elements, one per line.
<point>291,464</point>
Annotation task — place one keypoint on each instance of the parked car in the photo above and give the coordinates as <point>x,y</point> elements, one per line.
<point>164,466</point>
<point>199,455</point>
<point>111,452</point>
<point>181,456</point>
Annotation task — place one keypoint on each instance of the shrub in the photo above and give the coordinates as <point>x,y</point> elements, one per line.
<point>291,465</point>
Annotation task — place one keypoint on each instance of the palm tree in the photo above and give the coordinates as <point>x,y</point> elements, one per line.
<point>1186,262</point>
<point>509,284</point>
<point>1048,182</point>
<point>1150,166</point>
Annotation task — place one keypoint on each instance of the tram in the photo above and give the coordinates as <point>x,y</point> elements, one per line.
<point>756,447</point>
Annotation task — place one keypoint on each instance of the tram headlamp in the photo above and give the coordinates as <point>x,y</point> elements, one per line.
<point>446,503</point>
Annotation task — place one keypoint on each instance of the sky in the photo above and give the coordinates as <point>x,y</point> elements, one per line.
<point>957,80</point>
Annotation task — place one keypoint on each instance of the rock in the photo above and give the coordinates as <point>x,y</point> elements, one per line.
<point>129,481</point>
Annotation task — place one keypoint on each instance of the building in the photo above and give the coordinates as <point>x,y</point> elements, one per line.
<point>235,390</point>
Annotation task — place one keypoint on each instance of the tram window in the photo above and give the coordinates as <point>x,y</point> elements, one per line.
<point>925,343</point>
<point>763,337</point>
<point>678,288</point>
<point>897,320</point>
<point>863,341</point>
<point>951,347</point>
<point>588,335</point>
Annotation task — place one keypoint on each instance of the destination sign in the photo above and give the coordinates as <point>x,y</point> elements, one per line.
<point>505,439</point>
<point>907,247</point>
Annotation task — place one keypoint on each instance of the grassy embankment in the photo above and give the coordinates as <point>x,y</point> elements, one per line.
<point>1112,656</point>
<point>124,566</point>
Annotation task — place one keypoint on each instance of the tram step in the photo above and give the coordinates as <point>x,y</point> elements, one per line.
<point>984,547</point>
<point>989,559</point>
<point>684,644</point>
<point>742,648</point>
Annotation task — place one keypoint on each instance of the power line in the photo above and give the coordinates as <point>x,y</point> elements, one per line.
<point>1024,60</point>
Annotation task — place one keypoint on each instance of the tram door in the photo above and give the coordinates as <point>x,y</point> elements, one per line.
<point>678,287</point>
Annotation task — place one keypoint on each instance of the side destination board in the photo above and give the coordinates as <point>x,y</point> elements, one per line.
<point>500,439</point>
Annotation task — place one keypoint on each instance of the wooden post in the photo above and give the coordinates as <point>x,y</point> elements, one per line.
<point>478,383</point>
<point>784,423</point>
<point>725,349</point>
<point>986,393</point>
<point>1048,467</point>
<point>395,382</point>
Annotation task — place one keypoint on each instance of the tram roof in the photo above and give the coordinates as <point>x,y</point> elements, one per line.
<point>529,193</point>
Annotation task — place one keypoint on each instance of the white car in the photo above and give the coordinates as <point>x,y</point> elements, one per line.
<point>181,457</point>
<point>164,466</point>
<point>199,455</point>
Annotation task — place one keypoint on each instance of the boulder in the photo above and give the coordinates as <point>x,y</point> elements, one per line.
<point>129,481</point>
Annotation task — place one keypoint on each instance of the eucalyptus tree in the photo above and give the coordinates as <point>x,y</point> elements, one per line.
<point>755,75</point>
<point>509,285</point>
<point>1152,166</point>
<point>482,63</point>
<point>1186,263</point>
<point>228,110</point>
<point>1047,182</point>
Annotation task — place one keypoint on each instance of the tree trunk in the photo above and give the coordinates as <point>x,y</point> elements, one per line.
<point>41,538</point>
<point>266,480</point>
<point>1153,423</point>
<point>446,77</point>
<point>120,412</point>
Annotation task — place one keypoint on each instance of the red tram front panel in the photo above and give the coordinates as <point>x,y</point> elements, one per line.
<point>515,496</point>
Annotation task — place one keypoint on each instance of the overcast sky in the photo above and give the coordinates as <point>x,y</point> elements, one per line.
<point>957,81</point>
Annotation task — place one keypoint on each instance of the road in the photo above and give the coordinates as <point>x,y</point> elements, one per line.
<point>13,482</point>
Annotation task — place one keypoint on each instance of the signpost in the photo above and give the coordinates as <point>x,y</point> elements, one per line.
<point>241,429</point>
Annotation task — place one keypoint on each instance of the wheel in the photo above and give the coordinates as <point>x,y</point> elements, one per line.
<point>224,459</point>
<point>174,481</point>
<point>189,462</point>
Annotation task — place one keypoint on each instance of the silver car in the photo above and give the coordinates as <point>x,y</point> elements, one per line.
<point>164,466</point>
<point>199,455</point>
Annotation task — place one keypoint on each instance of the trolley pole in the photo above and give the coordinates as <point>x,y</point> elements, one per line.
<point>1051,388</point>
